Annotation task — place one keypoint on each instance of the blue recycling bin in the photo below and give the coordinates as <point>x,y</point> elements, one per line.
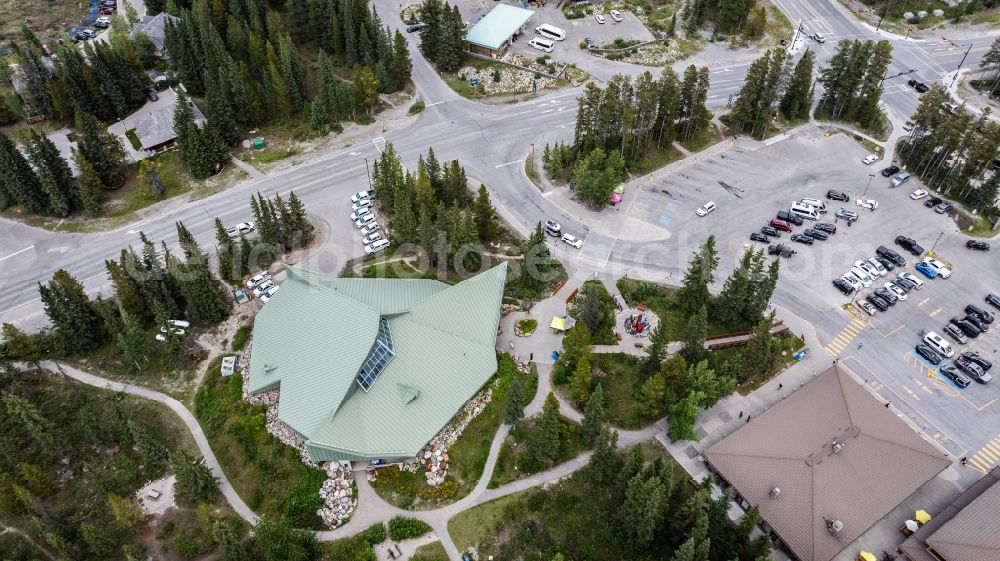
<point>474,81</point>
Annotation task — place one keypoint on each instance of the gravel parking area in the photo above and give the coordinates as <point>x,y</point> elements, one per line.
<point>750,185</point>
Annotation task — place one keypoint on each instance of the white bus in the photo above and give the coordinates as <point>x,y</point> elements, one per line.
<point>542,44</point>
<point>550,31</point>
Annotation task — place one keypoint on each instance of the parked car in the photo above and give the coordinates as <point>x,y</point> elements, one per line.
<point>918,85</point>
<point>977,245</point>
<point>909,244</point>
<point>369,228</point>
<point>895,290</point>
<point>890,171</point>
<point>572,241</point>
<point>879,267</point>
<point>758,237</point>
<point>414,27</point>
<point>780,250</point>
<point>600,19</point>
<point>373,237</point>
<point>102,22</point>
<point>705,209</point>
<point>980,324</point>
<point>362,221</point>
<point>888,265</point>
<point>843,286</point>
<point>816,234</point>
<point>906,284</point>
<point>361,205</point>
<point>553,228</point>
<point>870,204</point>
<point>240,229</point>
<point>911,278</point>
<point>869,159</point>
<point>972,370</point>
<point>826,227</point>
<point>770,231</point>
<point>932,202</point>
<point>818,37</point>
<point>780,225</point>
<point>955,333</point>
<point>993,300</point>
<point>879,303</point>
<point>866,306</point>
<point>266,297</point>
<point>918,194</point>
<point>589,42</point>
<point>854,281</point>
<point>928,354</point>
<point>940,268</point>
<point>949,371</point>
<point>802,239</point>
<point>978,359</point>
<point>925,269</point>
<point>837,196</point>
<point>789,217</point>
<point>616,16</point>
<point>943,207</point>
<point>886,295</point>
<point>983,315</point>
<point>263,287</point>
<point>151,94</point>
<point>257,279</point>
<point>848,215</point>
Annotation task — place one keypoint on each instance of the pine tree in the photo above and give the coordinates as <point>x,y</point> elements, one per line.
<point>548,439</point>
<point>643,510</point>
<point>132,341</point>
<point>77,325</point>
<point>656,351</point>
<point>758,354</point>
<point>593,416</point>
<point>301,228</point>
<point>514,409</point>
<point>195,481</point>
<point>205,304</point>
<point>693,293</point>
<point>102,149</point>
<point>224,251</point>
<point>486,218</point>
<point>694,337</point>
<point>401,66</point>
<point>682,416</point>
<point>365,90</point>
<point>19,345</point>
<point>580,383</point>
<point>652,395</point>
<point>127,290</point>
<point>26,414</point>
<point>89,186</point>
<point>605,463</point>
<point>152,452</point>
<point>18,181</point>
<point>187,243</point>
<point>797,101</point>
<point>53,172</point>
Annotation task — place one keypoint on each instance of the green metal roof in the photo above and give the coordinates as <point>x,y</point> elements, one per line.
<point>503,21</point>
<point>316,332</point>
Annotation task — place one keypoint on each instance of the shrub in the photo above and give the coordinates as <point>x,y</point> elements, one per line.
<point>402,528</point>
<point>442,492</point>
<point>528,325</point>
<point>303,499</point>
<point>241,337</point>
<point>417,107</point>
<point>374,535</point>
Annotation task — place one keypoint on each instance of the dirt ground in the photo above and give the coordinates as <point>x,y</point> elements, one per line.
<point>45,17</point>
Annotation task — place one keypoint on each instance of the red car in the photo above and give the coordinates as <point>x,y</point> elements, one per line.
<point>107,11</point>
<point>780,225</point>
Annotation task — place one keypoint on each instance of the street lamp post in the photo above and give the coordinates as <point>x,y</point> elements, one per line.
<point>936,242</point>
<point>870,177</point>
<point>955,79</point>
<point>367,169</point>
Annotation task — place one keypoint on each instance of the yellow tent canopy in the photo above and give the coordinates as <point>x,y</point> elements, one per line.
<point>922,516</point>
<point>558,323</point>
<point>866,556</point>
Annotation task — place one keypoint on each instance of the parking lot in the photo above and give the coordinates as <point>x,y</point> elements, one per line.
<point>749,185</point>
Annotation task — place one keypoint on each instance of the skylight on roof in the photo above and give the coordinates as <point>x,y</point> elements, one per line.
<point>380,355</point>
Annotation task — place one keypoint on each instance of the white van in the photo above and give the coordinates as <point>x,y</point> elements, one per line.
<point>815,203</point>
<point>551,32</point>
<point>363,220</point>
<point>805,211</point>
<point>900,179</point>
<point>862,275</point>
<point>939,345</point>
<point>376,246</point>
<point>543,45</point>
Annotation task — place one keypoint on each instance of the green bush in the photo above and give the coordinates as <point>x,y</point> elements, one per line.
<point>241,337</point>
<point>441,492</point>
<point>374,535</point>
<point>303,499</point>
<point>417,107</point>
<point>527,325</point>
<point>402,528</point>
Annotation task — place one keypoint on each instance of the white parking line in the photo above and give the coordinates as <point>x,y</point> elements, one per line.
<point>17,253</point>
<point>510,163</point>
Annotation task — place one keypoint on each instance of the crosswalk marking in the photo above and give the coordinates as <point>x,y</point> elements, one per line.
<point>841,340</point>
<point>987,456</point>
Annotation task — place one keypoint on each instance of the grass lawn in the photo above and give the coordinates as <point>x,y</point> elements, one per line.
<point>433,551</point>
<point>471,526</point>
<point>267,474</point>
<point>653,159</point>
<point>122,205</point>
<point>515,460</point>
<point>703,139</point>
<point>133,139</point>
<point>621,382</point>
<point>467,456</point>
<point>658,298</point>
<point>355,548</point>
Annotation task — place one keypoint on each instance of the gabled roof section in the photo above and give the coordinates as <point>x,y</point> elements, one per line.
<point>791,447</point>
<point>974,533</point>
<point>469,310</point>
<point>313,342</point>
<point>388,296</point>
<point>497,26</point>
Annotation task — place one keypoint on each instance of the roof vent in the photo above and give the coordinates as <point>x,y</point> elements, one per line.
<point>837,447</point>
<point>775,492</point>
<point>834,526</point>
<point>268,368</point>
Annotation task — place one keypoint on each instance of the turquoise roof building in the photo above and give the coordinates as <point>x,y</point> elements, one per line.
<point>492,35</point>
<point>374,368</point>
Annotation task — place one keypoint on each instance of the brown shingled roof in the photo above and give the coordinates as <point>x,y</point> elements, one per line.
<point>974,533</point>
<point>790,447</point>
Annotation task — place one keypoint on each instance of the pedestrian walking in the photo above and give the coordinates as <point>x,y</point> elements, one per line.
<point>887,404</point>
<point>511,343</point>
<point>860,345</point>
<point>780,386</point>
<point>964,460</point>
<point>741,414</point>
<point>748,417</point>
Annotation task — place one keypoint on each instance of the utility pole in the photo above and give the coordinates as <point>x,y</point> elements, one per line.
<point>884,11</point>
<point>370,188</point>
<point>955,79</point>
<point>870,177</point>
<point>936,242</point>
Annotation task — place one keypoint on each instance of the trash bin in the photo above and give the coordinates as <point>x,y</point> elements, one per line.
<point>258,143</point>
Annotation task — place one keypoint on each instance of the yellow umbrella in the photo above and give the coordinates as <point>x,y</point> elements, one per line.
<point>558,323</point>
<point>866,556</point>
<point>922,516</point>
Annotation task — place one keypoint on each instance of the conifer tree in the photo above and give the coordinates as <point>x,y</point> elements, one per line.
<point>76,324</point>
<point>18,181</point>
<point>89,186</point>
<point>549,431</point>
<point>593,416</point>
<point>53,173</point>
<point>797,101</point>
<point>132,341</point>
<point>102,149</point>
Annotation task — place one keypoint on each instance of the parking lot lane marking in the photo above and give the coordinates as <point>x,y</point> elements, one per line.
<point>16,253</point>
<point>913,395</point>
<point>924,301</point>
<point>923,387</point>
<point>935,312</point>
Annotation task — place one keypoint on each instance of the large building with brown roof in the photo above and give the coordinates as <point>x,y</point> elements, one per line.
<point>966,530</point>
<point>825,464</point>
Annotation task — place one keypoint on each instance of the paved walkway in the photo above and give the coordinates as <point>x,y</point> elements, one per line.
<point>254,172</point>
